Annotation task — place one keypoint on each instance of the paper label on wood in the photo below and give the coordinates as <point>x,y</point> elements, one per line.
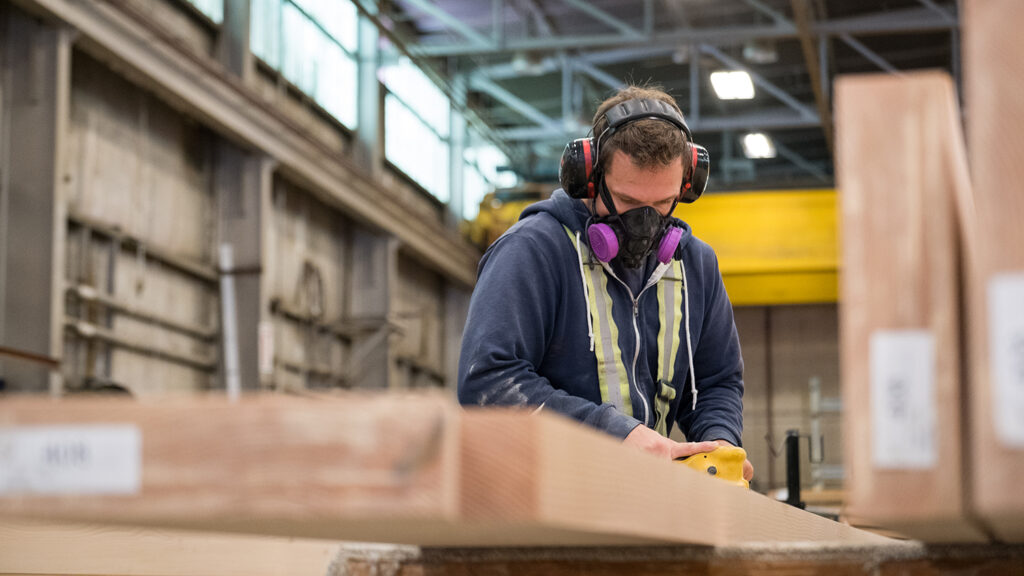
<point>1006,353</point>
<point>903,399</point>
<point>70,460</point>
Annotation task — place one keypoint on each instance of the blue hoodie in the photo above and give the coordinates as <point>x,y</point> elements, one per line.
<point>526,340</point>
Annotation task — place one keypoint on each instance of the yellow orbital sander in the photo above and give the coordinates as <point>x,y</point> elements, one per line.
<point>725,462</point>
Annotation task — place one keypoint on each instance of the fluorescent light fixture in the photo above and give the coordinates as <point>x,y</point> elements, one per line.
<point>732,85</point>
<point>758,145</point>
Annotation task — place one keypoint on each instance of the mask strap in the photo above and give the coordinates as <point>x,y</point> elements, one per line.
<point>606,197</point>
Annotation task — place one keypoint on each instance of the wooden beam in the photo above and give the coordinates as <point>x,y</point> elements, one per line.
<point>385,468</point>
<point>87,550</point>
<point>803,18</point>
<point>994,82</point>
<point>900,158</point>
<point>67,548</point>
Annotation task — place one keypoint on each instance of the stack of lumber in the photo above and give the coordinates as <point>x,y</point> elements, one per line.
<point>413,469</point>
<point>994,96</point>
<point>29,547</point>
<point>933,290</point>
<point>900,160</point>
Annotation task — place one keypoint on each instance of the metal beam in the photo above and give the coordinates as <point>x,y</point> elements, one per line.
<point>779,119</point>
<point>727,35</point>
<point>551,64</point>
<point>233,40</point>
<point>369,148</point>
<point>509,99</point>
<point>767,10</point>
<point>894,21</point>
<point>237,181</point>
<point>602,16</point>
<point>869,54</point>
<point>456,151</point>
<point>453,23</point>
<point>539,19</point>
<point>567,80</point>
<point>801,162</point>
<point>759,80</point>
<point>951,18</point>
<point>498,21</point>
<point>694,111</point>
<point>886,22</point>
<point>611,82</point>
<point>35,113</point>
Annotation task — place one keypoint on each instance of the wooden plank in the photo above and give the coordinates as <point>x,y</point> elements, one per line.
<point>28,547</point>
<point>81,549</point>
<point>994,84</point>
<point>276,466</point>
<point>899,159</point>
<point>411,469</point>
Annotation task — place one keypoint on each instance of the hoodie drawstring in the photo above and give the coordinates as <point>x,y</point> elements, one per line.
<point>689,345</point>
<point>586,292</point>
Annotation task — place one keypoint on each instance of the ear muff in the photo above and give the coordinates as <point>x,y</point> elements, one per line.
<point>696,181</point>
<point>576,172</point>
<point>577,167</point>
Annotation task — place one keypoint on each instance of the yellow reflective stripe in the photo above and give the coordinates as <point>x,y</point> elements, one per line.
<point>677,325</point>
<point>670,296</point>
<point>611,372</point>
<point>663,403</point>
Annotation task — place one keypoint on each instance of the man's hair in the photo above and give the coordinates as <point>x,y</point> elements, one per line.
<point>649,143</point>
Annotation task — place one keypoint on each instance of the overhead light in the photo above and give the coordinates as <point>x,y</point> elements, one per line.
<point>528,63</point>
<point>732,85</point>
<point>760,51</point>
<point>758,145</point>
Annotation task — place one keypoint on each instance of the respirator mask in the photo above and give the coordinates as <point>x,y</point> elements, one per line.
<point>632,235</point>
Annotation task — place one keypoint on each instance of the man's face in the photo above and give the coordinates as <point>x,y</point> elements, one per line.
<point>631,186</point>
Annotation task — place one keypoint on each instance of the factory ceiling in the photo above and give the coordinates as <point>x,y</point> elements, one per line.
<point>533,71</point>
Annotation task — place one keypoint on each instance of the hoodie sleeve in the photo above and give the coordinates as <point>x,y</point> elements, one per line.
<point>509,326</point>
<point>719,367</point>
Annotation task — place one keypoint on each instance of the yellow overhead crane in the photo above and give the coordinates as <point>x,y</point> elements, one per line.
<point>774,246</point>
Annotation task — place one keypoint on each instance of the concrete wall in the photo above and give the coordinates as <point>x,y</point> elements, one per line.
<point>311,252</point>
<point>785,347</point>
<point>419,313</point>
<point>136,166</point>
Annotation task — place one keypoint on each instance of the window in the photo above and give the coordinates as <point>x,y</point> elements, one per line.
<point>213,9</point>
<point>417,117</point>
<point>313,44</point>
<point>485,169</point>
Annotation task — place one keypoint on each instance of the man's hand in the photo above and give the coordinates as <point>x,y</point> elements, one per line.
<point>748,468</point>
<point>650,441</point>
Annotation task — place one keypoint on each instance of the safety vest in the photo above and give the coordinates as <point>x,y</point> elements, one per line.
<point>617,378</point>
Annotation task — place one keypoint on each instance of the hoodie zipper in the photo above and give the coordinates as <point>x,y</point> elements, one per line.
<point>655,277</point>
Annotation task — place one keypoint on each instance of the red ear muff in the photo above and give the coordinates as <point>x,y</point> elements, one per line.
<point>576,171</point>
<point>576,168</point>
<point>697,181</point>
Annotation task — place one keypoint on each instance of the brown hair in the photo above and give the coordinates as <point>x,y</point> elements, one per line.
<point>648,143</point>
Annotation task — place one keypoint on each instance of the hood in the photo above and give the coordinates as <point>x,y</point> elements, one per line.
<point>573,213</point>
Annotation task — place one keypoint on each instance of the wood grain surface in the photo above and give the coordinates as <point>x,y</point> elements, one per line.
<point>31,547</point>
<point>994,96</point>
<point>411,469</point>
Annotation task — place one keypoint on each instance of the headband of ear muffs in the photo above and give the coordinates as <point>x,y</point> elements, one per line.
<point>579,170</point>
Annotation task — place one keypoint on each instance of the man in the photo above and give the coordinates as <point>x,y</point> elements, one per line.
<point>599,305</point>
